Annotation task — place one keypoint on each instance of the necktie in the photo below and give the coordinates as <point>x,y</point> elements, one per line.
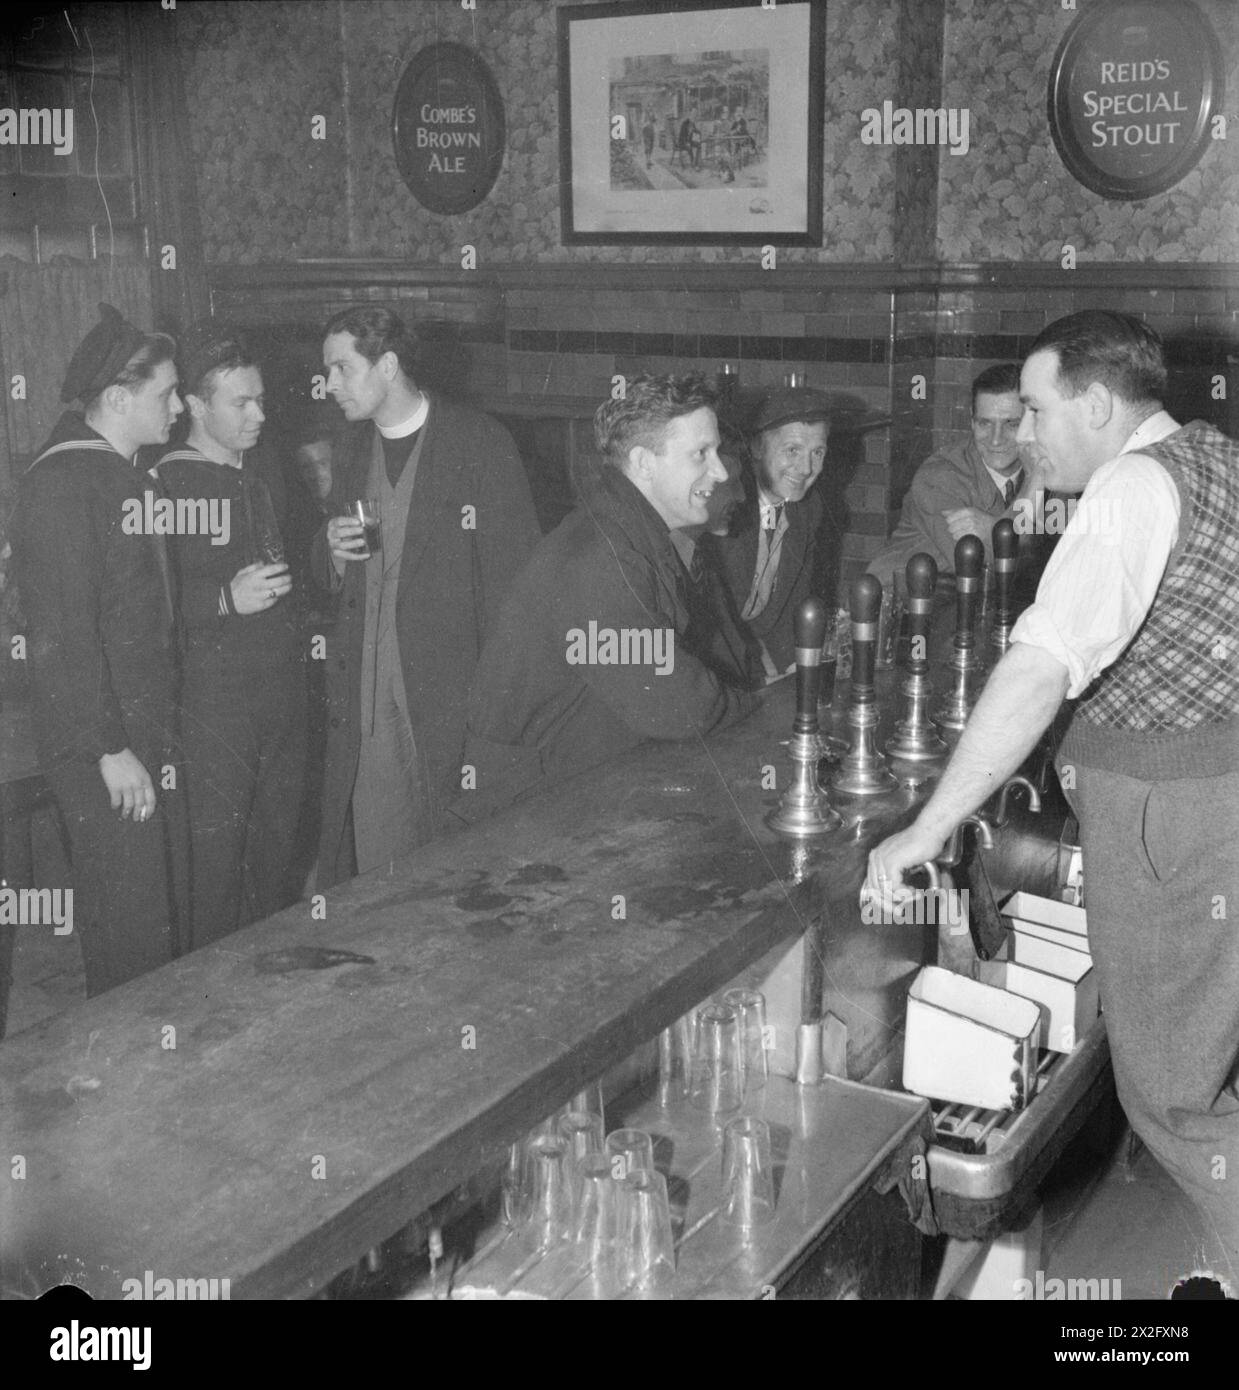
<point>1011,488</point>
<point>772,517</point>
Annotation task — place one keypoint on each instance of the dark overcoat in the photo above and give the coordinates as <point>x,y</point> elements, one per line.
<point>471,527</point>
<point>540,713</point>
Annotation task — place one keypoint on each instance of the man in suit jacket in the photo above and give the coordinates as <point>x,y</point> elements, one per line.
<point>456,522</point>
<point>773,557</point>
<point>965,487</point>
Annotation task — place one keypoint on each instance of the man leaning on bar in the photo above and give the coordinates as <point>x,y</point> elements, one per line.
<point>773,556</point>
<point>1137,620</point>
<point>965,488</point>
<point>593,653</point>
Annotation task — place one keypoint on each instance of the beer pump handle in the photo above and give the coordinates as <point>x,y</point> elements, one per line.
<point>969,564</point>
<point>809,631</point>
<point>1006,549</point>
<point>865,605</point>
<point>922,575</point>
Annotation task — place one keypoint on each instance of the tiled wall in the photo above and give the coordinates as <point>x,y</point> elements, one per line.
<point>549,342</point>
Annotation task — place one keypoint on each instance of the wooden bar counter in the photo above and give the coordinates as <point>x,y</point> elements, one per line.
<point>269,1108</point>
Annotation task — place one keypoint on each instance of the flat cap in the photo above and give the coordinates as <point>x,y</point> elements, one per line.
<point>101,355</point>
<point>788,404</point>
<point>204,345</point>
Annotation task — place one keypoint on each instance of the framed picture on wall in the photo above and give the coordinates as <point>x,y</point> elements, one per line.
<point>691,124</point>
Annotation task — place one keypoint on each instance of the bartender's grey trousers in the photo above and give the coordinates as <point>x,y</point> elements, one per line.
<point>1161,888</point>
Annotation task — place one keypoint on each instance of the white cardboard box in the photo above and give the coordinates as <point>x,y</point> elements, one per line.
<point>969,1042</point>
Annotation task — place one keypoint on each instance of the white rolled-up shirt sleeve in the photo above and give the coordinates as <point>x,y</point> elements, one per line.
<point>1105,571</point>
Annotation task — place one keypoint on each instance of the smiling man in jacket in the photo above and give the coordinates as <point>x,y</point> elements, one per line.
<point>592,653</point>
<point>773,558</point>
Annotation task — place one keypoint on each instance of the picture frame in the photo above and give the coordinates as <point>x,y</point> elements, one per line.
<point>689,124</point>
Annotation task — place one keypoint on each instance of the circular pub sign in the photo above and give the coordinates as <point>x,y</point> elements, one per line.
<point>447,128</point>
<point>1134,90</point>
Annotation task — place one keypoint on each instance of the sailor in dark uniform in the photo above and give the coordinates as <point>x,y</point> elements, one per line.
<point>97,595</point>
<point>243,697</point>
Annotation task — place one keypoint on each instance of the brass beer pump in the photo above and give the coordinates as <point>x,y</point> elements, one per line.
<point>915,739</point>
<point>804,810</point>
<point>862,771</point>
<point>1006,549</point>
<point>956,705</point>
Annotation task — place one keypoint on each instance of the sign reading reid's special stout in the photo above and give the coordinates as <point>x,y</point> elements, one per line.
<point>1135,95</point>
<point>448,128</point>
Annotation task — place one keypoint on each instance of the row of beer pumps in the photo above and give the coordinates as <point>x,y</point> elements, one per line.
<point>915,750</point>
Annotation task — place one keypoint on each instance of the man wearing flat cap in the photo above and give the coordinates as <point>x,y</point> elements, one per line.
<point>98,599</point>
<point>243,681</point>
<point>773,557</point>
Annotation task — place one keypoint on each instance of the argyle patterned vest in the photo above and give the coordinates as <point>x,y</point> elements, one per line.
<point>1169,706</point>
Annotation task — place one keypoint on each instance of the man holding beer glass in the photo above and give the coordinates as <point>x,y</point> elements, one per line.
<point>243,716</point>
<point>452,522</point>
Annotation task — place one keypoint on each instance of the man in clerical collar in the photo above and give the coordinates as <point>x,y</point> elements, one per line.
<point>773,558</point>
<point>455,521</point>
<point>594,650</point>
<point>243,678</point>
<point>964,488</point>
<point>97,597</point>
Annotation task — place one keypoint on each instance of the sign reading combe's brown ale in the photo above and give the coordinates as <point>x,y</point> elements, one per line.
<point>1135,95</point>
<point>448,128</point>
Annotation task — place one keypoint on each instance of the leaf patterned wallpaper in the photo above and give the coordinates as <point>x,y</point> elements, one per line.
<point>256,75</point>
<point>1011,199</point>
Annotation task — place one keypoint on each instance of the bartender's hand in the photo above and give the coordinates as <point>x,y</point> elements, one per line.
<point>259,587</point>
<point>129,785</point>
<point>346,540</point>
<point>908,849</point>
<point>969,521</point>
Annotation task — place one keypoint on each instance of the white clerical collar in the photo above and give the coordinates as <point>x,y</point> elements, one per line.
<point>1151,431</point>
<point>407,427</point>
